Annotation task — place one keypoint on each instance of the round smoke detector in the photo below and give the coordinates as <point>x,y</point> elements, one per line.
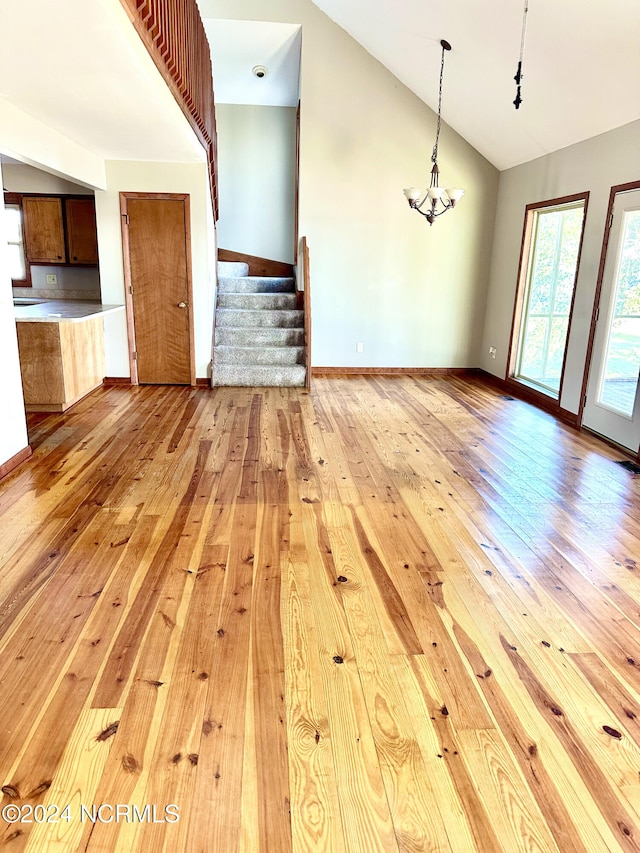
<point>259,71</point>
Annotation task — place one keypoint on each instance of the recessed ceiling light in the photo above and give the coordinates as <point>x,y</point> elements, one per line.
<point>259,71</point>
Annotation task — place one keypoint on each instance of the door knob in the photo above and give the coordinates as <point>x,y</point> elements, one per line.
<point>182,304</point>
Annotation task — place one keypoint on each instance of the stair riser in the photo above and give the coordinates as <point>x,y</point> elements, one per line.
<point>254,284</point>
<point>230,268</point>
<point>263,337</point>
<point>227,374</point>
<point>259,355</point>
<point>258,301</point>
<point>272,319</point>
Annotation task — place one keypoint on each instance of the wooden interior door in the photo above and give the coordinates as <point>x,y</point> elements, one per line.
<point>157,253</point>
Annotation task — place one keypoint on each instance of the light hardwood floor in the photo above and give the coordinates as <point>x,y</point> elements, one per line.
<point>395,614</point>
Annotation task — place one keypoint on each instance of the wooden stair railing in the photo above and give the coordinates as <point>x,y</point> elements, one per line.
<point>257,265</point>
<point>174,35</point>
<point>307,309</point>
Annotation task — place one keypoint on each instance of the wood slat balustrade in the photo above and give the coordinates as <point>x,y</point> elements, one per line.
<point>174,35</point>
<point>306,266</point>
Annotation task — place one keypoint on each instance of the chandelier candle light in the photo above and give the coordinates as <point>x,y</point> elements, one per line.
<point>437,199</point>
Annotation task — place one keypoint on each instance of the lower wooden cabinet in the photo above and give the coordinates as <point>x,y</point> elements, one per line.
<point>60,362</point>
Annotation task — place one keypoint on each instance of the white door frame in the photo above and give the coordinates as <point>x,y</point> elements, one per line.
<point>614,193</point>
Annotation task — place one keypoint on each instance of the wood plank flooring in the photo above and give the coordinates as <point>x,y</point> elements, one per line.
<point>395,614</point>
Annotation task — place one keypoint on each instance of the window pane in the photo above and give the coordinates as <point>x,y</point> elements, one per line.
<point>555,354</point>
<point>551,272</point>
<point>16,261</point>
<point>622,363</point>
<point>543,263</point>
<point>532,359</point>
<point>571,232</point>
<point>13,223</point>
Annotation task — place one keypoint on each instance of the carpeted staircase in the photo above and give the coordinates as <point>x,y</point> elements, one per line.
<point>259,336</point>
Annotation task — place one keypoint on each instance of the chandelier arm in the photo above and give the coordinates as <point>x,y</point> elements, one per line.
<point>446,206</point>
<point>421,212</point>
<point>431,212</point>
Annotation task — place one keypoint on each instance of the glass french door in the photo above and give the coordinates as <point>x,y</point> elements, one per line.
<point>612,406</point>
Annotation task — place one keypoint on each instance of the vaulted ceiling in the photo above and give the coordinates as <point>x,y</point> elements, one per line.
<point>581,70</point>
<point>581,66</point>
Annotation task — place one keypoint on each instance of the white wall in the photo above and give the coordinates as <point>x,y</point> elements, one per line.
<point>413,295</point>
<point>13,433</point>
<point>257,162</point>
<point>29,140</point>
<point>21,178</point>
<point>595,165</point>
<point>134,176</point>
<point>25,138</point>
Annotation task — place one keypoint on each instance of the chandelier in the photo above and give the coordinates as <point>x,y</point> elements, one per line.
<point>436,200</point>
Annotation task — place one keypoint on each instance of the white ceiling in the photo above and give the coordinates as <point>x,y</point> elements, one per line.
<point>581,66</point>
<point>238,46</point>
<point>68,64</point>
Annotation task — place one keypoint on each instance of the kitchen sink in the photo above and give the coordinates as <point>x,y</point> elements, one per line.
<point>21,302</point>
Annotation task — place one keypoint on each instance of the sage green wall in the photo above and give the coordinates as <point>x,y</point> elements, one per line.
<point>257,165</point>
<point>596,165</point>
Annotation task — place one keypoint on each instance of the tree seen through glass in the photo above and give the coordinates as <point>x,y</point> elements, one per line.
<point>622,362</point>
<point>551,277</point>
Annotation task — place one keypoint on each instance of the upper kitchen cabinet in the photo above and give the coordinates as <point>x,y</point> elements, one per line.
<point>82,237</point>
<point>43,229</point>
<point>60,230</point>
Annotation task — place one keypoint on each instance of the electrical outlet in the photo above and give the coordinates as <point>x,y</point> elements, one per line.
<point>359,347</point>
<point>52,278</point>
<point>492,352</point>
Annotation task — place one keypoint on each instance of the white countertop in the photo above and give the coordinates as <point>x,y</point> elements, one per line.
<point>61,311</point>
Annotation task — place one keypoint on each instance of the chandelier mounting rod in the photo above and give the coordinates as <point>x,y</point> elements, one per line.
<point>445,46</point>
<point>519,75</point>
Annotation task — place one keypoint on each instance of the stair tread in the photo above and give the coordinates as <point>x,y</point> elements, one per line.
<point>263,332</point>
<point>255,284</point>
<point>260,310</point>
<point>247,326</point>
<point>258,355</point>
<point>265,367</point>
<point>254,318</point>
<point>253,346</point>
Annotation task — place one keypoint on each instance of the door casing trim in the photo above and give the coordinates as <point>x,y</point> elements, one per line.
<point>518,306</point>
<point>128,296</point>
